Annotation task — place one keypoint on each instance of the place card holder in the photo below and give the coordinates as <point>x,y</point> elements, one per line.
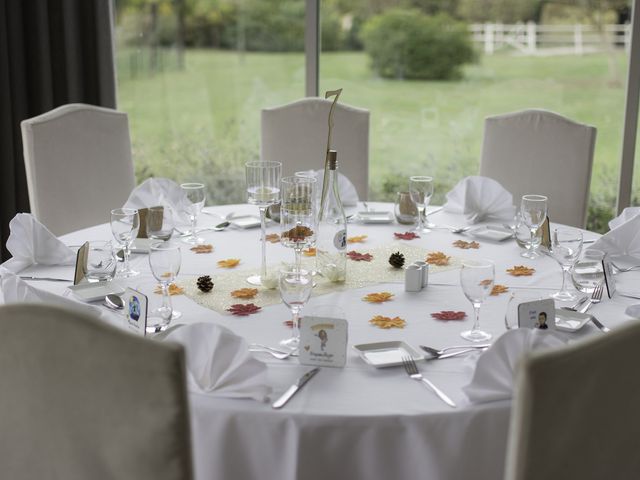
<point>609,279</point>
<point>154,214</point>
<point>540,314</point>
<point>546,234</point>
<point>323,341</point>
<point>81,264</point>
<point>135,308</point>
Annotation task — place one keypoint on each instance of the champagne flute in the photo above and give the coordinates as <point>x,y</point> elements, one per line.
<point>160,223</point>
<point>421,191</point>
<point>263,190</point>
<point>533,210</point>
<point>477,280</point>
<point>194,196</point>
<point>298,214</point>
<point>566,245</point>
<point>164,260</point>
<point>125,223</point>
<point>295,290</point>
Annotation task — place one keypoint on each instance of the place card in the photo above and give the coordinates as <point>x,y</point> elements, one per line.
<point>135,308</point>
<point>546,234</point>
<point>323,341</point>
<point>155,217</point>
<point>609,279</point>
<point>81,264</point>
<point>539,314</point>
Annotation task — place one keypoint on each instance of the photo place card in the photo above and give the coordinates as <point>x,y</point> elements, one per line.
<point>546,234</point>
<point>539,314</point>
<point>323,341</point>
<point>81,263</point>
<point>135,307</point>
<point>609,279</point>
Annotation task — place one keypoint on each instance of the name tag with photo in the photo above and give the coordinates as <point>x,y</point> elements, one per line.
<point>323,341</point>
<point>81,263</point>
<point>135,307</point>
<point>540,314</point>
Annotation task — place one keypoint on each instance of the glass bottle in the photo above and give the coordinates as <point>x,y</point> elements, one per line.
<point>331,241</point>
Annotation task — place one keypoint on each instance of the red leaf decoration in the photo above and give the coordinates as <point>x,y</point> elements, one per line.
<point>243,309</point>
<point>406,236</point>
<point>449,315</point>
<point>359,257</point>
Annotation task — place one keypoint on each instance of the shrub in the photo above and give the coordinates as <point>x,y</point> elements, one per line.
<point>410,45</point>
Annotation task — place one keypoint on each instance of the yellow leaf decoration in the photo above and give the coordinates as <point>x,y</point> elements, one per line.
<point>229,263</point>
<point>437,258</point>
<point>498,289</point>
<point>357,239</point>
<point>379,297</point>
<point>387,322</point>
<point>205,248</point>
<point>309,252</point>
<point>521,271</point>
<point>173,289</point>
<point>245,293</point>
<point>466,245</point>
<point>273,238</point>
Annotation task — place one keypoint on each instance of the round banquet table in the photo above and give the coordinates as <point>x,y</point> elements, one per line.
<point>357,422</point>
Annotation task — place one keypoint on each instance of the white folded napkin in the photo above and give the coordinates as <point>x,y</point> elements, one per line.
<point>348,193</point>
<point>622,240</point>
<point>626,215</point>
<point>30,243</point>
<point>480,199</point>
<point>154,192</point>
<point>495,371</point>
<point>219,362</point>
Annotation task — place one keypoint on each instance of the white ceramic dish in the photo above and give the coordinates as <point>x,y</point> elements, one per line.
<point>386,354</point>
<point>245,221</point>
<point>497,233</point>
<point>90,292</point>
<point>375,217</point>
<point>570,321</point>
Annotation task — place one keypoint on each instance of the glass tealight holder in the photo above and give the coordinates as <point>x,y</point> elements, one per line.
<point>588,273</point>
<point>405,209</point>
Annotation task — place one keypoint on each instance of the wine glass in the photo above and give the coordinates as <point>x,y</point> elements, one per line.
<point>263,190</point>
<point>193,199</point>
<point>477,280</point>
<point>125,223</point>
<point>533,210</point>
<point>421,191</point>
<point>295,290</point>
<point>566,245</point>
<point>164,260</point>
<point>298,214</point>
<point>160,223</point>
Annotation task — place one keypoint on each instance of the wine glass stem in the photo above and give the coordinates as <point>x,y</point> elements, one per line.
<point>533,236</point>
<point>194,223</point>
<point>126,252</point>
<point>298,251</point>
<point>295,319</point>
<point>476,319</point>
<point>565,275</point>
<point>166,309</point>
<point>263,227</point>
<point>421,212</point>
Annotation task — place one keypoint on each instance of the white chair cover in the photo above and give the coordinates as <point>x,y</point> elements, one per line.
<point>296,135</point>
<point>575,413</point>
<point>78,164</point>
<point>82,400</point>
<point>541,152</point>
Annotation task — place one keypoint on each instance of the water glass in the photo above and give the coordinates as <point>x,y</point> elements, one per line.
<point>160,223</point>
<point>566,245</point>
<point>125,223</point>
<point>193,198</point>
<point>165,260</point>
<point>588,272</point>
<point>101,262</point>
<point>295,290</point>
<point>421,191</point>
<point>477,281</point>
<point>298,214</point>
<point>533,209</point>
<point>405,210</point>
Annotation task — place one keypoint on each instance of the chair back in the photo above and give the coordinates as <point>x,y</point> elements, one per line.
<point>541,152</point>
<point>78,164</point>
<point>575,411</point>
<point>296,135</point>
<point>83,400</point>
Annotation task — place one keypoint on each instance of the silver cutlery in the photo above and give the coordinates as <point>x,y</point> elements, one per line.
<point>293,352</point>
<point>626,269</point>
<point>279,356</point>
<point>293,389</point>
<point>46,279</point>
<point>452,351</point>
<point>596,297</point>
<point>597,323</point>
<point>113,301</point>
<point>412,370</point>
<point>451,228</point>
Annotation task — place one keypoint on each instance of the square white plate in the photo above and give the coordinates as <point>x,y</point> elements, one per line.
<point>375,217</point>
<point>570,321</point>
<point>245,221</point>
<point>386,354</point>
<point>497,233</point>
<point>90,292</point>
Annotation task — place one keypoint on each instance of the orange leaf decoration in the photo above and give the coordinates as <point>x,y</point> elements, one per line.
<point>380,297</point>
<point>466,245</point>
<point>438,258</point>
<point>359,257</point>
<point>205,248</point>
<point>449,315</point>
<point>498,289</point>
<point>229,263</point>
<point>357,239</point>
<point>406,236</point>
<point>387,322</point>
<point>242,309</point>
<point>166,274</point>
<point>273,238</point>
<point>521,271</point>
<point>298,233</point>
<point>246,293</point>
<point>309,252</point>
<point>173,289</point>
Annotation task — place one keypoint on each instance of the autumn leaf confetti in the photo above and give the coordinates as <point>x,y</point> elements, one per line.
<point>242,309</point>
<point>521,271</point>
<point>498,289</point>
<point>406,235</point>
<point>379,297</point>
<point>245,293</point>
<point>438,258</point>
<point>272,237</point>
<point>359,257</point>
<point>357,239</point>
<point>387,322</point>
<point>205,248</point>
<point>449,315</point>
<point>173,289</point>
<point>309,252</point>
<point>466,245</point>
<point>229,263</point>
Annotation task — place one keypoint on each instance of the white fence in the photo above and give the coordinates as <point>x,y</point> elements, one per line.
<point>533,39</point>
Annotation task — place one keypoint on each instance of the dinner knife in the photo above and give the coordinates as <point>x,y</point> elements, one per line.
<point>293,389</point>
<point>48,279</point>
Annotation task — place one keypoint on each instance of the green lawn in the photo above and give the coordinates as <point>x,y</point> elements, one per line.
<point>204,122</point>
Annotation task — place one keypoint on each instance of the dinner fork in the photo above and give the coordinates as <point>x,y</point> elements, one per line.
<point>412,370</point>
<point>596,297</point>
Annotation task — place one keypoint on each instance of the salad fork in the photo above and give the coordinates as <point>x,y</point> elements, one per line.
<point>412,370</point>
<point>596,297</point>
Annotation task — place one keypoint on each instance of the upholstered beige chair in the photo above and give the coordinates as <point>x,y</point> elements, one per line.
<point>575,411</point>
<point>83,400</point>
<point>296,135</point>
<point>78,163</point>
<point>541,152</point>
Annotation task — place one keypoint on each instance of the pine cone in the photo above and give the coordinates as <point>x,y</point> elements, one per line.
<point>396,260</point>
<point>205,284</point>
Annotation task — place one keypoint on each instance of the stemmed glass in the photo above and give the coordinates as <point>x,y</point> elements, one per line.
<point>477,281</point>
<point>566,245</point>
<point>298,214</point>
<point>164,260</point>
<point>421,191</point>
<point>125,223</point>
<point>160,223</point>
<point>193,199</point>
<point>295,290</point>
<point>533,210</point>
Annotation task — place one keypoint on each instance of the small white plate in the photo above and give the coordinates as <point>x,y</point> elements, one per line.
<point>245,221</point>
<point>90,292</point>
<point>497,233</point>
<point>386,354</point>
<point>570,321</point>
<point>375,217</point>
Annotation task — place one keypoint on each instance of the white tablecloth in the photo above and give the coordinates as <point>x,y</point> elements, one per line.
<point>357,422</point>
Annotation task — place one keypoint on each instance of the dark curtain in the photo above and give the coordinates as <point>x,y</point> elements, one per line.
<point>52,52</point>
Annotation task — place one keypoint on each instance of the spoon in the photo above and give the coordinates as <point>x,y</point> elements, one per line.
<point>113,301</point>
<point>443,353</point>
<point>279,356</point>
